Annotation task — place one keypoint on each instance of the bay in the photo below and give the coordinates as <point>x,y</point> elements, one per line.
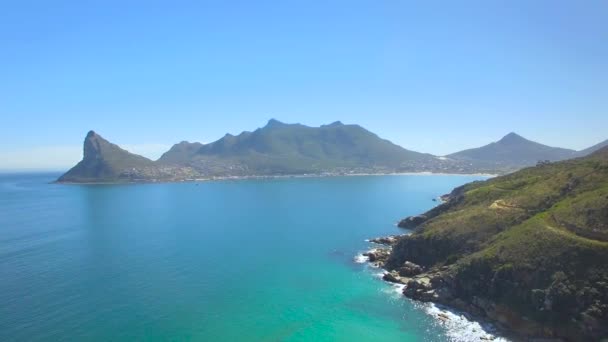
<point>260,260</point>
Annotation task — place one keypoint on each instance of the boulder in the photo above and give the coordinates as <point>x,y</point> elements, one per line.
<point>443,317</point>
<point>417,288</point>
<point>409,269</point>
<point>427,296</point>
<point>378,256</point>
<point>393,277</point>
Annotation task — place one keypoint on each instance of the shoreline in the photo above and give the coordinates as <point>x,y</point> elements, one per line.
<point>454,319</point>
<point>258,177</point>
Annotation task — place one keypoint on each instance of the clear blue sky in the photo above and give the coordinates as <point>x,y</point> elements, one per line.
<point>432,76</point>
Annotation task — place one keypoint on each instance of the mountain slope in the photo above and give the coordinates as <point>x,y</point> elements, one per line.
<point>592,149</point>
<point>294,149</point>
<point>103,161</point>
<point>276,149</point>
<point>512,152</point>
<point>529,249</point>
<point>180,153</point>
<point>280,148</point>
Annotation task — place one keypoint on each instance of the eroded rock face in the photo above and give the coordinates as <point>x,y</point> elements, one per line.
<point>378,256</point>
<point>412,221</point>
<point>432,286</point>
<point>394,277</point>
<point>409,269</point>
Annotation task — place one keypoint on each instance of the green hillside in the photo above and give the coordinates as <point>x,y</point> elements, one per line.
<point>280,148</point>
<point>529,250</point>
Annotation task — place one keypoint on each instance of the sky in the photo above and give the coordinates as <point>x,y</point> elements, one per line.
<point>431,76</point>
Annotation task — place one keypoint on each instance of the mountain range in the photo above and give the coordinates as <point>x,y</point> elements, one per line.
<point>280,149</point>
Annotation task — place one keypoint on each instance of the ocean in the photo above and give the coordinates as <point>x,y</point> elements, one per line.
<point>252,260</point>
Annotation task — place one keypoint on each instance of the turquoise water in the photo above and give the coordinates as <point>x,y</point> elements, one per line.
<point>268,260</point>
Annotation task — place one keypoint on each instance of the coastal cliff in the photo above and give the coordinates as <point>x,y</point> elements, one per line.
<point>528,251</point>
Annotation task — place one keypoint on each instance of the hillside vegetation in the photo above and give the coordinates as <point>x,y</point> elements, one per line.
<point>280,148</point>
<point>529,250</point>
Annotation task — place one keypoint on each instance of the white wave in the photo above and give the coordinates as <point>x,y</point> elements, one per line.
<point>395,289</point>
<point>378,275</point>
<point>361,259</point>
<point>459,328</point>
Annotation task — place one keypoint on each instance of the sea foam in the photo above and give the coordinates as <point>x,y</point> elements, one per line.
<point>361,259</point>
<point>458,327</point>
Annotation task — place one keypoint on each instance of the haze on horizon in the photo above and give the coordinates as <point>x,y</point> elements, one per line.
<point>429,76</point>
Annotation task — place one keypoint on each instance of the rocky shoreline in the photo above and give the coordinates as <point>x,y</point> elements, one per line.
<point>430,285</point>
<point>439,285</point>
<point>527,251</point>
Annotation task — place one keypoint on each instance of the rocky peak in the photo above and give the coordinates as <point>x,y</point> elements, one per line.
<point>274,123</point>
<point>93,144</point>
<point>335,124</point>
<point>512,138</point>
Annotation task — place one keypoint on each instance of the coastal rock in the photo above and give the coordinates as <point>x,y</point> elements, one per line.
<point>428,287</point>
<point>417,288</point>
<point>444,198</point>
<point>409,269</point>
<point>378,256</point>
<point>412,221</point>
<point>394,277</point>
<point>387,240</point>
<point>443,317</point>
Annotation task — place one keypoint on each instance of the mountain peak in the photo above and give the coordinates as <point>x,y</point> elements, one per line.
<point>274,123</point>
<point>512,137</point>
<point>102,160</point>
<point>93,144</point>
<point>511,152</point>
<point>336,123</point>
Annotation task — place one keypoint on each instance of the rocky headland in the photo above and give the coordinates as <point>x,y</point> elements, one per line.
<point>527,251</point>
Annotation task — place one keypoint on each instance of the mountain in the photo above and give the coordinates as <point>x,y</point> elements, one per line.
<point>280,148</point>
<point>275,149</point>
<point>103,161</point>
<point>528,250</point>
<point>180,153</point>
<point>293,149</point>
<point>593,148</point>
<point>510,153</point>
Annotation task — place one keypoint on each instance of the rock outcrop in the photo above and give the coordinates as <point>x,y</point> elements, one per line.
<point>412,221</point>
<point>378,256</point>
<point>386,241</point>
<point>409,269</point>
